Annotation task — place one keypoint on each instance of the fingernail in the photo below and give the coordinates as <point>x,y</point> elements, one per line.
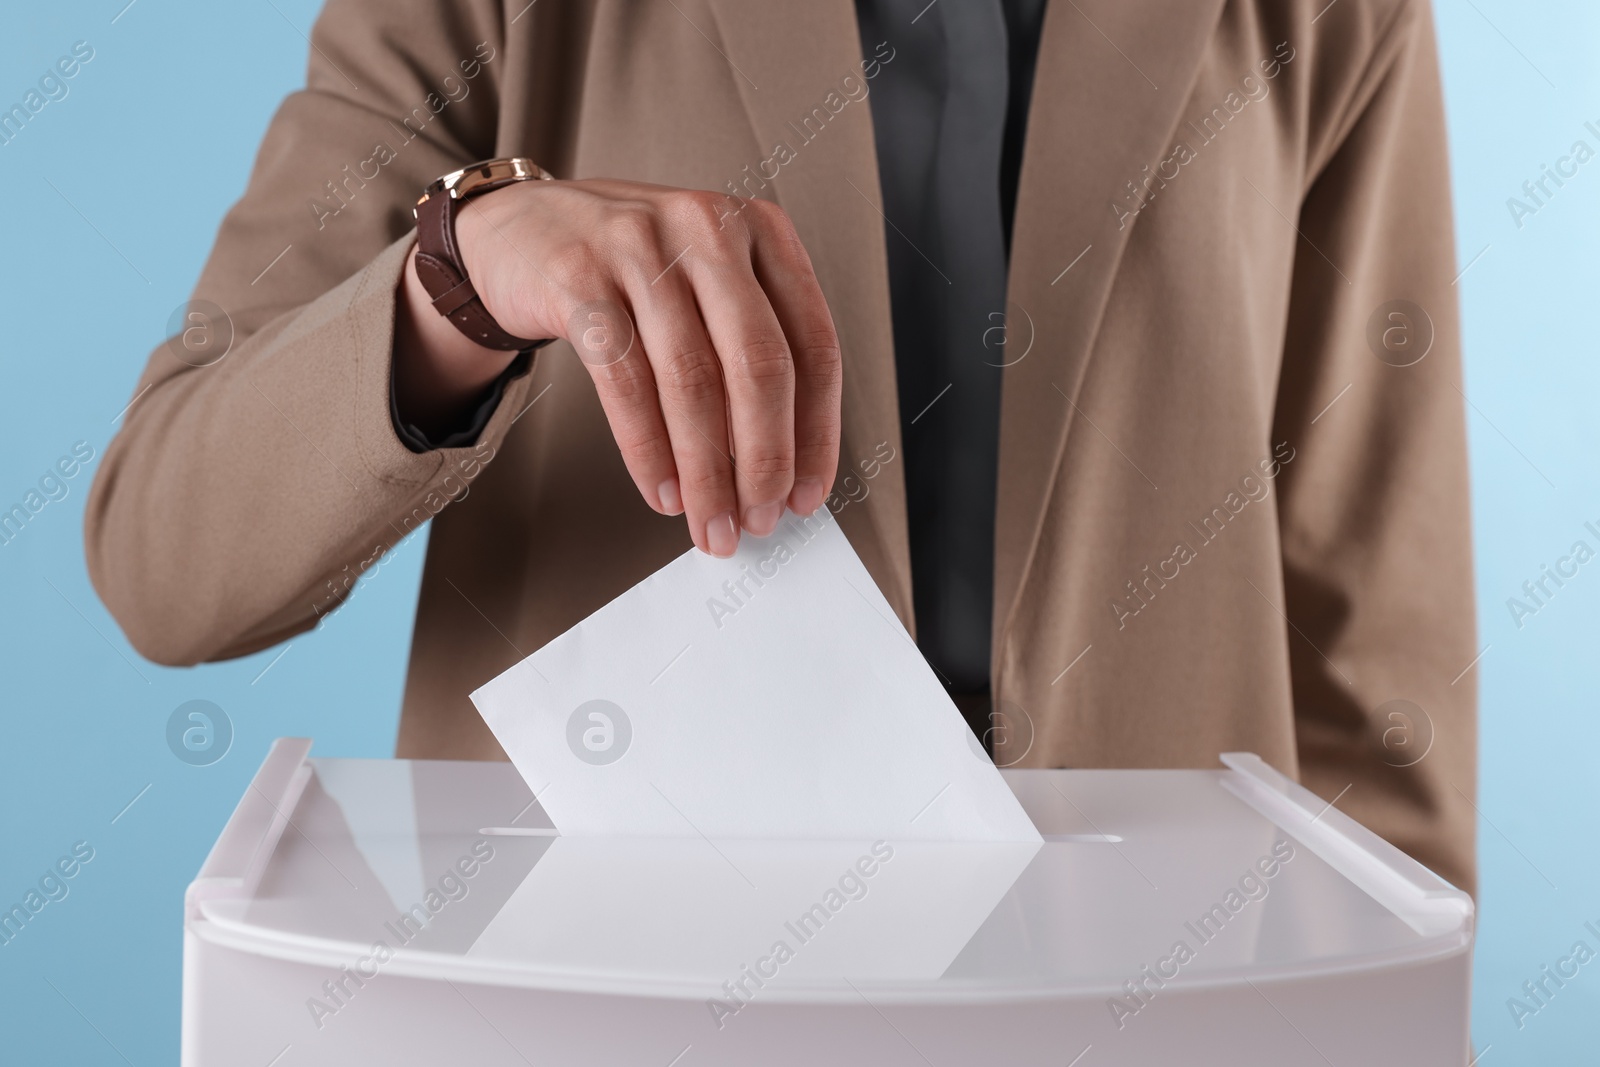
<point>722,536</point>
<point>807,495</point>
<point>671,498</point>
<point>762,519</point>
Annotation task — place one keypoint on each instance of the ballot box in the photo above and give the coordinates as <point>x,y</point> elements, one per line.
<point>414,912</point>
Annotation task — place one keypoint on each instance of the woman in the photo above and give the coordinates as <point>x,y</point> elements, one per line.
<point>1127,334</point>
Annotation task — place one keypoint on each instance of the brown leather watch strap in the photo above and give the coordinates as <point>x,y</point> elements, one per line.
<point>444,276</point>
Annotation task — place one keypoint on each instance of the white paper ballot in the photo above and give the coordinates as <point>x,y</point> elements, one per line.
<point>770,695</point>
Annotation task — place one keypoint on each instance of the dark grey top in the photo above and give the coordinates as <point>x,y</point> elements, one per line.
<point>949,112</point>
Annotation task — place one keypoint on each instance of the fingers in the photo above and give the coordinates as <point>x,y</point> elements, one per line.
<point>604,337</point>
<point>693,406</point>
<point>784,271</point>
<point>712,350</point>
<point>758,371</point>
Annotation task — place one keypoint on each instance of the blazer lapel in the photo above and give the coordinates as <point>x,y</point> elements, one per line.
<point>790,63</point>
<point>1111,83</point>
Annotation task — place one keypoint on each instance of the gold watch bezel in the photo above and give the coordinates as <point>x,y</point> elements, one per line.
<point>483,176</point>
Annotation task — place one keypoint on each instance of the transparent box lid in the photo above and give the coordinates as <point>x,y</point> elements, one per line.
<point>450,870</point>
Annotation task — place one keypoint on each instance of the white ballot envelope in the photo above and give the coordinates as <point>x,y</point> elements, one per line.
<point>770,695</point>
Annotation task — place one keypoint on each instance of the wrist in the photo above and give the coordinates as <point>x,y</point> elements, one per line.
<point>439,372</point>
<point>476,239</point>
<point>439,261</point>
<point>498,269</point>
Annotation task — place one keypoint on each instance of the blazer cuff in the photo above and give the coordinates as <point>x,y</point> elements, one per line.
<point>471,425</point>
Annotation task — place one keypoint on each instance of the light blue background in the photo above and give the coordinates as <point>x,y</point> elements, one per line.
<point>155,141</point>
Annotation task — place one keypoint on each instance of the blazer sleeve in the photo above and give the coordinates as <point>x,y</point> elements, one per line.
<point>258,469</point>
<point>1374,515</point>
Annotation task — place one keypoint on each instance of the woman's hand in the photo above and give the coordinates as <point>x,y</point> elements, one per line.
<point>699,319</point>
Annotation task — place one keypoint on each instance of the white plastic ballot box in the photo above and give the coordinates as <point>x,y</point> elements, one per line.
<point>409,912</point>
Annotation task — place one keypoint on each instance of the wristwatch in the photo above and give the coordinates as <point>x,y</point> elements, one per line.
<point>439,265</point>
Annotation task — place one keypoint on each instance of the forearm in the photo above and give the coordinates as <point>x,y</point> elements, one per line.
<point>236,492</point>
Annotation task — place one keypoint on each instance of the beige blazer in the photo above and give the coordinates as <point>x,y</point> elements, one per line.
<point>1228,516</point>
